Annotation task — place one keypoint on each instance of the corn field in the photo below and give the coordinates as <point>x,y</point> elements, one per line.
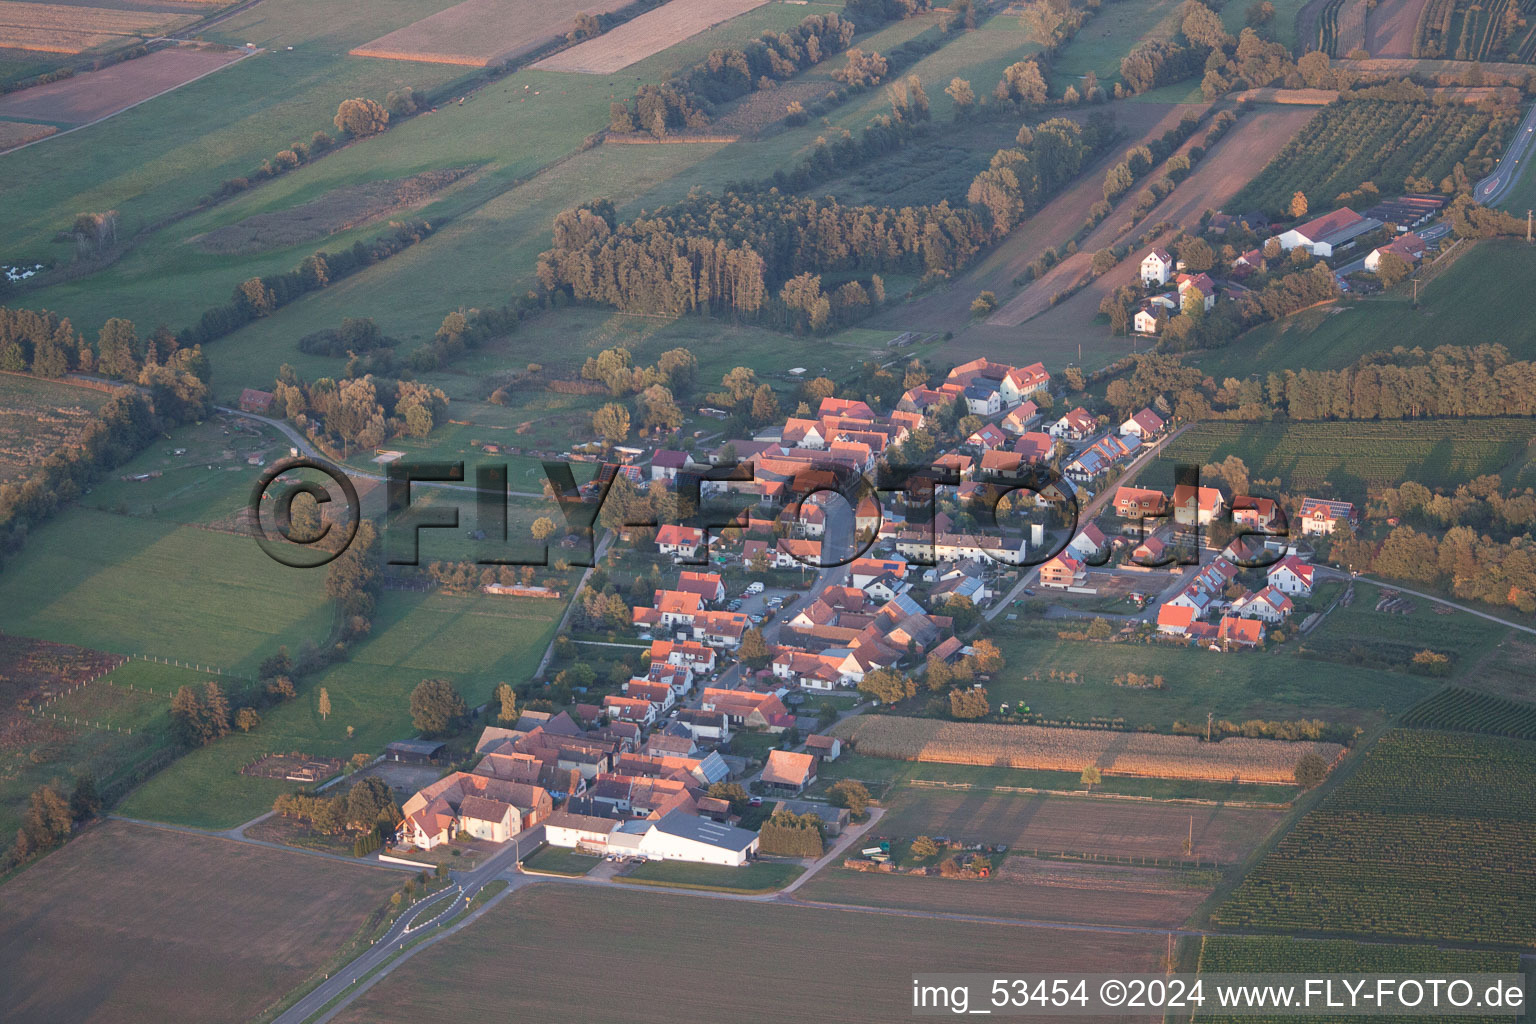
<point>1054,749</point>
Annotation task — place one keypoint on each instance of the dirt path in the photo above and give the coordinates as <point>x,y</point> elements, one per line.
<point>1389,27</point>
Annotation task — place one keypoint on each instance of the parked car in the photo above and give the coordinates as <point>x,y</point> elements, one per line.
<point>756,801</point>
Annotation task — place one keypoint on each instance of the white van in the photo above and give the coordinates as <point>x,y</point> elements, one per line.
<point>755,588</point>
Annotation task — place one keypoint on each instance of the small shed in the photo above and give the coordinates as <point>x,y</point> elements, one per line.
<point>414,751</point>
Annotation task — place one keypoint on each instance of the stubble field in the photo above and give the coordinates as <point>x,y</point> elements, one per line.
<point>163,926</point>
<point>658,956</point>
<point>478,33</point>
<point>650,33</point>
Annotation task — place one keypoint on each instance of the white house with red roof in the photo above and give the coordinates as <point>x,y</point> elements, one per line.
<point>1145,424</point>
<point>1156,267</point>
<point>679,541</point>
<point>1292,576</point>
<point>1190,283</point>
<point>1021,382</point>
<point>1089,544</point>
<point>1268,604</point>
<point>1174,619</point>
<point>1075,425</point>
<point>1408,247</point>
<point>1322,515</point>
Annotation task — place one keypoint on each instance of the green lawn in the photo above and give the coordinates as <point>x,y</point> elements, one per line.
<point>1236,687</point>
<point>474,641</point>
<point>757,877</point>
<point>558,861</point>
<point>1359,633</point>
<point>1465,305</point>
<point>138,586</point>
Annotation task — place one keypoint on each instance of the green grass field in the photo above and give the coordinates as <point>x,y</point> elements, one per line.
<point>556,861</point>
<point>1360,634</point>
<point>474,641</point>
<point>757,877</point>
<point>1462,306</point>
<point>1235,687</point>
<point>136,586</point>
<point>1348,459</point>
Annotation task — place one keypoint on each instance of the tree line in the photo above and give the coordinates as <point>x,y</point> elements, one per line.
<point>759,254</point>
<point>685,99</point>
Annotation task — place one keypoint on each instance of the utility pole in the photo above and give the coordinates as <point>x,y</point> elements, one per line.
<point>1208,716</point>
<point>1415,293</point>
<point>1527,227</point>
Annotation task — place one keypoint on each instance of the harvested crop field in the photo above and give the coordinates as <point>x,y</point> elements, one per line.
<point>1389,27</point>
<point>215,930</point>
<point>37,418</point>
<point>1115,753</point>
<point>1082,825</point>
<point>19,133</point>
<point>477,33</point>
<point>96,94</point>
<point>337,210</point>
<point>861,965</point>
<point>1032,889</point>
<point>650,33</point>
<point>66,28</point>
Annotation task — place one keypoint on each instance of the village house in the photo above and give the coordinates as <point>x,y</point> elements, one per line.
<point>1021,419</point>
<point>708,585</point>
<point>1269,605</point>
<point>1321,516</point>
<point>1137,502</point>
<point>1024,382</point>
<point>1034,446</point>
<point>679,541</point>
<point>1409,247</point>
<point>1174,619</point>
<point>1188,284</point>
<point>1090,545</point>
<point>1257,514</point>
<point>988,437</point>
<point>1145,425</point>
<point>1075,425</point>
<point>1196,505</point>
<point>1292,576</point>
<point>1156,267</point>
<point>1149,552</point>
<point>982,398</point>
<point>1240,632</point>
<point>666,464</point>
<point>1149,318</point>
<point>484,807</point>
<point>1062,571</point>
